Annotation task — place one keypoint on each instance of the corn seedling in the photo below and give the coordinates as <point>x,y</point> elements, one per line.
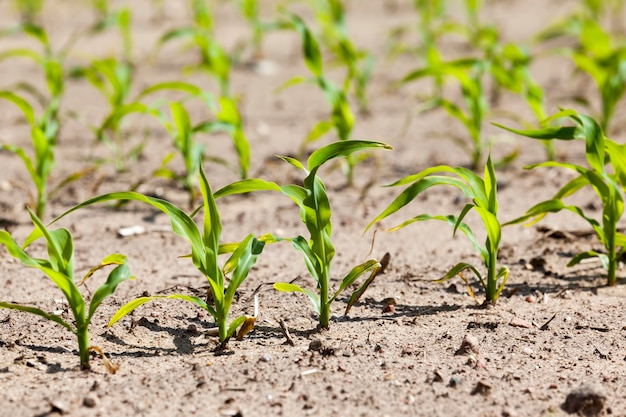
<point>59,267</point>
<point>469,74</point>
<point>114,81</point>
<point>318,250</point>
<point>605,62</point>
<point>331,17</point>
<point>341,118</point>
<point>51,64</point>
<point>598,53</point>
<point>609,186</point>
<point>40,165</point>
<point>183,132</point>
<point>29,9</point>
<point>482,193</point>
<point>213,58</point>
<point>205,248</point>
<point>510,69</point>
<point>250,11</point>
<point>122,19</point>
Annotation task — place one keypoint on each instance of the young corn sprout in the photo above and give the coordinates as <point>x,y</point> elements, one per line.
<point>51,63</point>
<point>341,118</point>
<point>205,248</point>
<point>469,74</point>
<point>318,250</point>
<point>59,267</point>
<point>213,58</point>
<point>599,54</point>
<point>227,120</point>
<point>359,64</point>
<point>40,165</point>
<point>483,200</point>
<point>29,9</point>
<point>608,184</point>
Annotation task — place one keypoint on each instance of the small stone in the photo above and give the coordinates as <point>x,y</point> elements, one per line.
<point>509,412</point>
<point>468,345</point>
<point>587,400</point>
<point>454,382</point>
<point>265,358</point>
<point>389,308</point>
<point>59,407</point>
<point>315,345</point>
<point>517,322</point>
<point>482,388</point>
<point>90,401</point>
<point>530,299</point>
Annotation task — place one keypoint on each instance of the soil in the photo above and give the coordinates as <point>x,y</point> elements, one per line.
<point>555,342</point>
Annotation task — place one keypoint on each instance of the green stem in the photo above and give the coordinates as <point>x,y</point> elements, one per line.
<point>83,346</point>
<point>324,304</point>
<point>492,283</point>
<point>612,261</point>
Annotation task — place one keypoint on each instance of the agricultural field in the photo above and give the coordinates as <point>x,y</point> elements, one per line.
<point>312,208</point>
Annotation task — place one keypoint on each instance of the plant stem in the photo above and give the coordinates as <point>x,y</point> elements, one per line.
<point>83,346</point>
<point>610,246</point>
<point>324,304</point>
<point>492,283</point>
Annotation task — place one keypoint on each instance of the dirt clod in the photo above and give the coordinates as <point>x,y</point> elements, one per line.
<point>587,400</point>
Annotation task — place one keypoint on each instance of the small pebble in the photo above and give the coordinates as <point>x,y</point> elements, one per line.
<point>454,382</point>
<point>517,322</point>
<point>530,299</point>
<point>468,345</point>
<point>265,358</point>
<point>389,308</point>
<point>59,407</point>
<point>90,401</point>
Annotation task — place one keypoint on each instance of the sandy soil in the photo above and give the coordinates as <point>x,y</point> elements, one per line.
<point>554,330</point>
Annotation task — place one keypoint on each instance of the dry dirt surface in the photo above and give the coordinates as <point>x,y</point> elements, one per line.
<point>554,343</point>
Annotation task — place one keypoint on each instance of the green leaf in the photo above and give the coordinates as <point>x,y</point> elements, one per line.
<point>234,325</point>
<point>137,302</point>
<point>310,46</point>
<point>340,149</point>
<point>38,312</point>
<point>287,287</point>
<point>354,274</point>
<point>119,274</point>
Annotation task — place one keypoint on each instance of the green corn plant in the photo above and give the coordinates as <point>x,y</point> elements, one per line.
<point>510,69</point>
<point>113,79</point>
<point>482,193</point>
<point>183,133</point>
<point>250,11</point>
<point>598,53</point>
<point>341,117</point>
<point>205,248</point>
<point>359,64</point>
<point>41,163</point>
<point>192,152</point>
<point>51,64</point>
<point>609,185</point>
<point>469,74</point>
<point>59,267</point>
<point>213,58</point>
<point>121,19</point>
<point>605,62</point>
<point>29,9</point>
<point>315,212</point>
